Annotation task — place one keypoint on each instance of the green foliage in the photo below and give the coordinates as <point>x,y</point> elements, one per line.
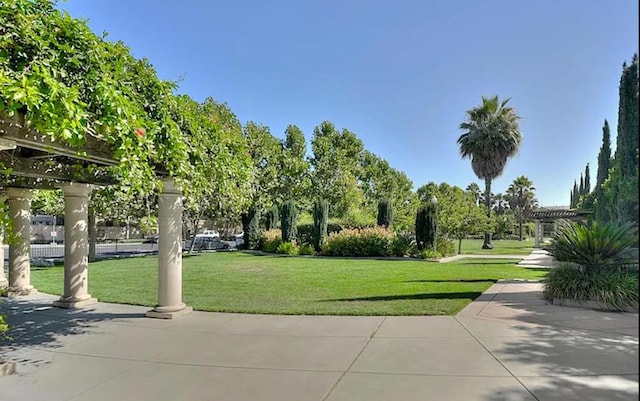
<point>306,249</point>
<point>617,289</point>
<point>295,175</point>
<point>385,213</point>
<point>594,245</point>
<point>320,222</point>
<point>358,242</point>
<point>266,155</point>
<point>522,199</point>
<point>305,231</point>
<point>49,202</point>
<point>288,222</point>
<point>3,325</point>
<point>149,225</point>
<point>445,247</point>
<point>426,227</point>
<point>251,227</point>
<point>357,218</point>
<point>402,245</point>
<point>272,218</point>
<point>604,156</point>
<point>270,240</point>
<point>427,254</point>
<point>336,167</point>
<point>288,248</point>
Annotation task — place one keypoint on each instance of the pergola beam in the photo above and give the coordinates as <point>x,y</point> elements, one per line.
<point>93,150</point>
<point>52,170</point>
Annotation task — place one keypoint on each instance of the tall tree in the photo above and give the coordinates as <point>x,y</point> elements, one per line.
<point>604,157</point>
<point>522,199</point>
<point>587,180</point>
<point>294,171</point>
<point>576,194</point>
<point>492,136</point>
<point>581,188</point>
<point>336,165</point>
<point>474,190</point>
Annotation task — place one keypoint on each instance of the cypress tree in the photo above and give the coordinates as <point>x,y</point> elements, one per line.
<point>575,194</point>
<point>421,227</point>
<point>251,227</point>
<point>385,213</point>
<point>426,227</point>
<point>587,180</point>
<point>571,200</point>
<point>604,157</point>
<point>272,218</point>
<point>581,189</point>
<point>320,222</point>
<point>288,223</point>
<point>625,187</point>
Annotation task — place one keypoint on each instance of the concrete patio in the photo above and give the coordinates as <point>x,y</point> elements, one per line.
<point>507,345</point>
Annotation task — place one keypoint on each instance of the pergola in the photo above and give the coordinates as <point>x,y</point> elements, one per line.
<point>33,161</point>
<point>553,214</point>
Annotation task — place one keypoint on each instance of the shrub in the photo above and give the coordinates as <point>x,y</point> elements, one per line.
<point>426,227</point>
<point>357,218</point>
<point>445,247</point>
<point>320,222</point>
<point>288,223</point>
<point>616,289</point>
<point>270,241</point>
<point>401,244</point>
<point>428,254</point>
<point>288,248</point>
<point>358,242</point>
<point>593,245</point>
<point>305,232</point>
<point>385,213</point>
<point>271,218</point>
<point>306,249</point>
<point>251,227</point>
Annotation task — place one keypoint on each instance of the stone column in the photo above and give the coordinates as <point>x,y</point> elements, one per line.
<point>170,305</point>
<point>76,247</point>
<point>3,279</point>
<point>537,234</point>
<point>19,261</point>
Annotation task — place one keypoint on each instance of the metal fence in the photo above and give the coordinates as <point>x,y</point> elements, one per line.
<point>115,247</point>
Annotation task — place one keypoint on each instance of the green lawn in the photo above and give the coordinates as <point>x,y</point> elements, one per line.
<point>500,247</point>
<point>240,282</point>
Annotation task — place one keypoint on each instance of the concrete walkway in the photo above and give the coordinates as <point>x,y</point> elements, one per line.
<point>507,345</point>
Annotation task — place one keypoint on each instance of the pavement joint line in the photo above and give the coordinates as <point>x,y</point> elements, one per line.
<point>344,373</point>
<point>497,360</point>
<point>133,365</point>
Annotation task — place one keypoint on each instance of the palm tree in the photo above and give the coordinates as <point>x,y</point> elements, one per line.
<point>474,190</point>
<point>522,197</point>
<point>500,203</point>
<point>492,136</point>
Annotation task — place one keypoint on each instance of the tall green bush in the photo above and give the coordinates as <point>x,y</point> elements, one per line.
<point>251,227</point>
<point>320,222</point>
<point>426,227</point>
<point>272,217</point>
<point>288,222</point>
<point>385,213</point>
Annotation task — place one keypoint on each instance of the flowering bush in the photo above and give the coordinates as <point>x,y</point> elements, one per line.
<point>270,240</point>
<point>359,242</point>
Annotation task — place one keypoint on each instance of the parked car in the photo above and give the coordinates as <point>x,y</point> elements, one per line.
<point>151,240</point>
<point>205,242</point>
<point>210,233</point>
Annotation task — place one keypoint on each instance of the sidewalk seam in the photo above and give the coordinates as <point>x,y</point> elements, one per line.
<point>354,360</point>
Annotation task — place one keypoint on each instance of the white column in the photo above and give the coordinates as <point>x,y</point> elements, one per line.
<point>19,250</point>
<point>76,247</point>
<point>3,279</point>
<point>170,305</point>
<point>537,234</point>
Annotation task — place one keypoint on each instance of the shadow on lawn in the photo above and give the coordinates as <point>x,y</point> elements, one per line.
<point>38,324</point>
<point>480,280</point>
<point>486,262</point>
<point>426,295</point>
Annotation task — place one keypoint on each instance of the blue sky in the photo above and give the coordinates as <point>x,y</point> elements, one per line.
<point>398,73</point>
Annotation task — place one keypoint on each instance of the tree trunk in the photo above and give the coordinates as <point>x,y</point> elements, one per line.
<point>459,245</point>
<point>487,201</point>
<point>520,224</point>
<point>91,221</point>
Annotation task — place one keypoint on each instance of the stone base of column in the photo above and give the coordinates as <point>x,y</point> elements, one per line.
<point>74,303</point>
<point>169,312</point>
<point>7,368</point>
<point>13,292</point>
